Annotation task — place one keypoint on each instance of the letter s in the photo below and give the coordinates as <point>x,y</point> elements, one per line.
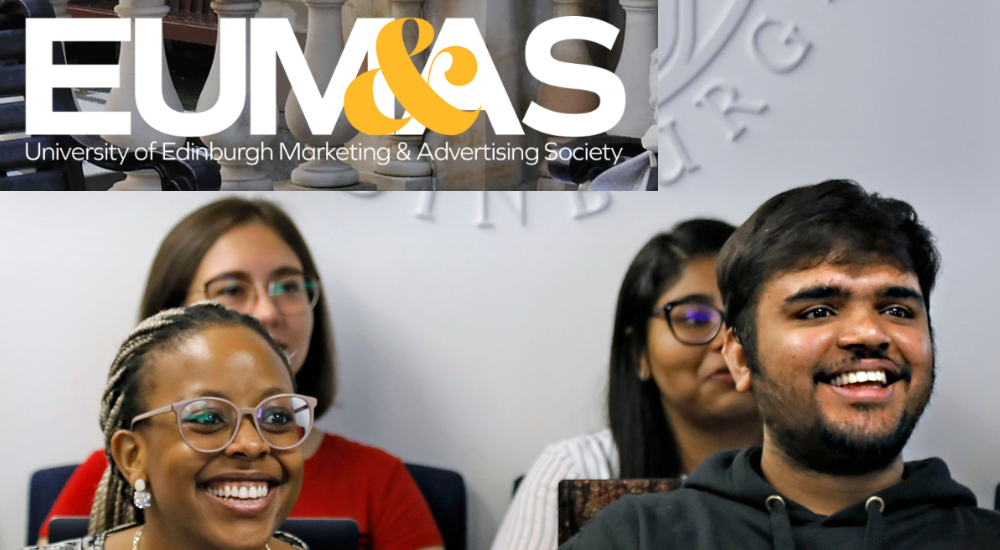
<point>541,64</point>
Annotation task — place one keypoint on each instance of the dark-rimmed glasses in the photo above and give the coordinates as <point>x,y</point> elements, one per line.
<point>692,322</point>
<point>210,424</point>
<point>292,294</point>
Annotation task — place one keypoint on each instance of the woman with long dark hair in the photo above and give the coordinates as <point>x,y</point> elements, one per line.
<point>671,400</point>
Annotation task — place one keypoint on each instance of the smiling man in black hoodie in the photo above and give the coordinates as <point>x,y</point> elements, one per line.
<point>827,292</point>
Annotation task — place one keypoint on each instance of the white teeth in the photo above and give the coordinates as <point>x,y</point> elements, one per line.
<point>859,377</point>
<point>240,491</point>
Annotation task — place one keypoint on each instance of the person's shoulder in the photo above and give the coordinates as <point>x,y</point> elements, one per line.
<point>660,503</point>
<point>601,439</point>
<point>650,509</point>
<point>340,449</point>
<point>967,527</point>
<point>990,519</point>
<point>90,542</point>
<point>74,544</point>
<point>625,522</point>
<point>96,461</point>
<point>599,444</point>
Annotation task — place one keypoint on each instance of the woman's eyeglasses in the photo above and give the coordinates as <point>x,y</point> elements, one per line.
<point>292,295</point>
<point>692,322</point>
<point>210,424</point>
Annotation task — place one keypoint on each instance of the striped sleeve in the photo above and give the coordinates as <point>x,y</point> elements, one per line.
<point>531,522</point>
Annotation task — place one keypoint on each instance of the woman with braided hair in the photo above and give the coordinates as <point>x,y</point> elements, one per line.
<point>186,467</point>
<point>249,256</point>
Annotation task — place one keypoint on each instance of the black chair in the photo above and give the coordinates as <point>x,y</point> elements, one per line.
<point>444,491</point>
<point>19,172</point>
<point>43,490</point>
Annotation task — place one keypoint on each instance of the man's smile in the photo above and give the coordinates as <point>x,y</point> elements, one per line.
<point>865,380</point>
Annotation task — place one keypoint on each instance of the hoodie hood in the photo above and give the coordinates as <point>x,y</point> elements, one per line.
<point>926,485</point>
<point>736,476</point>
<point>727,504</point>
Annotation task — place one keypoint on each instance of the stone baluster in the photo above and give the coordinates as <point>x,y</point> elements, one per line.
<point>565,100</point>
<point>59,7</point>
<point>234,142</point>
<point>324,45</point>
<point>412,174</point>
<point>633,67</point>
<point>122,98</point>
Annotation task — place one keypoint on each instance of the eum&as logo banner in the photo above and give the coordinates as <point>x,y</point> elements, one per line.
<point>445,98</point>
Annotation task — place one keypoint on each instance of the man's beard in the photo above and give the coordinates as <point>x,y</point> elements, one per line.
<point>813,443</point>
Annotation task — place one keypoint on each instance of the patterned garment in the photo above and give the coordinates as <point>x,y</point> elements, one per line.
<point>96,542</point>
<point>532,520</point>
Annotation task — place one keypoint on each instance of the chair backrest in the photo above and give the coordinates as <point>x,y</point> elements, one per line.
<point>22,171</point>
<point>444,491</point>
<point>43,490</point>
<point>581,499</point>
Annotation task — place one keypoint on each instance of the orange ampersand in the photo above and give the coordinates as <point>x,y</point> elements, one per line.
<point>409,87</point>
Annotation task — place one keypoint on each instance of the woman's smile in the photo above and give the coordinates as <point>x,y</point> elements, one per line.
<point>241,498</point>
<point>245,493</point>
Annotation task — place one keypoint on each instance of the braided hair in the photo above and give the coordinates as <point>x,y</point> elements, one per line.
<point>121,401</point>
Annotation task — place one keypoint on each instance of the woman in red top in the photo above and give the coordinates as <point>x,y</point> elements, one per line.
<point>249,256</point>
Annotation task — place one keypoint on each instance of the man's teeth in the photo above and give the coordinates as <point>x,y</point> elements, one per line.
<point>241,490</point>
<point>859,377</point>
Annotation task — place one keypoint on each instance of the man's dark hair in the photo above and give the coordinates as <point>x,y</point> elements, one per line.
<point>835,221</point>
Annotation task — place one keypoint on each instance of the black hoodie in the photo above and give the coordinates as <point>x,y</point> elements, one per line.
<point>725,505</point>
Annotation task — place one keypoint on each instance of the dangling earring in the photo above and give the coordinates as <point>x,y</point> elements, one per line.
<point>142,498</point>
<point>643,373</point>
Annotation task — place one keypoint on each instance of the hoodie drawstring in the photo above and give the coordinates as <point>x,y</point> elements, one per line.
<point>781,527</point>
<point>874,529</point>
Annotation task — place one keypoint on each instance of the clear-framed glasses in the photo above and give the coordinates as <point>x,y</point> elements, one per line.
<point>292,294</point>
<point>210,424</point>
<point>692,322</point>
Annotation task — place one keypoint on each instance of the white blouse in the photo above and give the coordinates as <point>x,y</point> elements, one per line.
<point>532,520</point>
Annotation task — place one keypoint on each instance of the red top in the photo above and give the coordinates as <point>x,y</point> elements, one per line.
<point>343,479</point>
